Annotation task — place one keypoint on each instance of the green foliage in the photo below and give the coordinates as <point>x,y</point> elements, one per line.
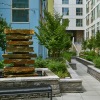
<point>68,55</point>
<point>88,55</point>
<point>91,43</point>
<point>62,75</point>
<point>59,68</point>
<point>98,39</point>
<point>40,63</point>
<point>84,45</point>
<point>52,34</point>
<point>3,25</point>
<point>56,66</point>
<point>1,64</point>
<point>97,62</point>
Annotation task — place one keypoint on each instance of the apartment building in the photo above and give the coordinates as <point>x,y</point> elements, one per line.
<point>92,18</point>
<point>84,17</point>
<point>75,11</point>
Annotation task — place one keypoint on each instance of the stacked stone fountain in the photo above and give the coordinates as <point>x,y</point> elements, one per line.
<point>19,53</point>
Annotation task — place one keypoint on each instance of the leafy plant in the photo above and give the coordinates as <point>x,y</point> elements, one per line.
<point>3,25</point>
<point>52,33</point>
<point>97,62</point>
<point>91,43</point>
<point>84,45</point>
<point>68,55</point>
<point>59,68</point>
<point>88,55</point>
<point>1,64</point>
<point>40,63</point>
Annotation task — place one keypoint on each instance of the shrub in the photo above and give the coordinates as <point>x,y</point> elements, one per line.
<point>40,63</point>
<point>59,68</point>
<point>68,55</point>
<point>62,75</point>
<point>90,58</point>
<point>88,55</point>
<point>97,62</point>
<point>56,66</point>
<point>1,64</point>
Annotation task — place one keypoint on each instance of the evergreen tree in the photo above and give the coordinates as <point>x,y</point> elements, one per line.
<point>52,33</point>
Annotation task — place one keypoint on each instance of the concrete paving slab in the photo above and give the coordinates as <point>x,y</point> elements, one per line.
<point>89,93</point>
<point>91,97</point>
<point>72,98</point>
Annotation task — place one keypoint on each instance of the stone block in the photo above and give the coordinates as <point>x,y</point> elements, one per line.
<point>19,61</point>
<point>19,49</point>
<point>18,31</point>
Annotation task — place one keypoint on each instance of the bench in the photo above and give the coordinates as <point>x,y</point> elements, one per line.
<point>41,88</point>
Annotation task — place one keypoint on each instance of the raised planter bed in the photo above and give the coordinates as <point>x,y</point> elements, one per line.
<point>73,84</point>
<point>94,71</point>
<point>91,69</point>
<point>84,61</point>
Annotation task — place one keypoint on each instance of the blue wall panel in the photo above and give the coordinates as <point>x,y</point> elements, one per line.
<point>34,15</point>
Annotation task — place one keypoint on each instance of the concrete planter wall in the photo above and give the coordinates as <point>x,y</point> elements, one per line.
<point>91,69</point>
<point>51,79</point>
<point>94,71</point>
<point>73,66</point>
<point>84,61</point>
<point>73,84</point>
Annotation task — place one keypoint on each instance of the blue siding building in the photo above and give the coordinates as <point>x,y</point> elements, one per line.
<point>24,14</point>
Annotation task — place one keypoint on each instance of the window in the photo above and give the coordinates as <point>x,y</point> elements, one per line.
<point>79,11</point>
<point>79,22</point>
<point>87,7</point>
<point>98,11</point>
<point>79,1</point>
<point>98,27</point>
<point>20,10</point>
<point>92,15</point>
<point>92,3</point>
<point>87,34</point>
<point>87,20</point>
<point>65,1</point>
<point>65,11</point>
<point>93,30</point>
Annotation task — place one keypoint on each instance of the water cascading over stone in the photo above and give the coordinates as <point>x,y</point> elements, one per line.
<point>18,53</point>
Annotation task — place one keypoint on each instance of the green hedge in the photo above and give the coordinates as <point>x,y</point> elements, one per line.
<point>97,62</point>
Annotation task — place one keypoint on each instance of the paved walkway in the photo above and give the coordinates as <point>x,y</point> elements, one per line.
<point>91,87</point>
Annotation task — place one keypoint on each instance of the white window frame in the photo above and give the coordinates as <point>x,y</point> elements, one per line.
<point>65,1</point>
<point>79,24</point>
<point>79,13</point>
<point>20,9</point>
<point>65,13</point>
<point>80,2</point>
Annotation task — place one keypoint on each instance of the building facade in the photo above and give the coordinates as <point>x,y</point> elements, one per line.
<point>74,10</point>
<point>92,18</point>
<point>24,14</point>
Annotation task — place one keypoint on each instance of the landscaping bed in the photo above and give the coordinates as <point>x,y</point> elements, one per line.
<point>91,69</point>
